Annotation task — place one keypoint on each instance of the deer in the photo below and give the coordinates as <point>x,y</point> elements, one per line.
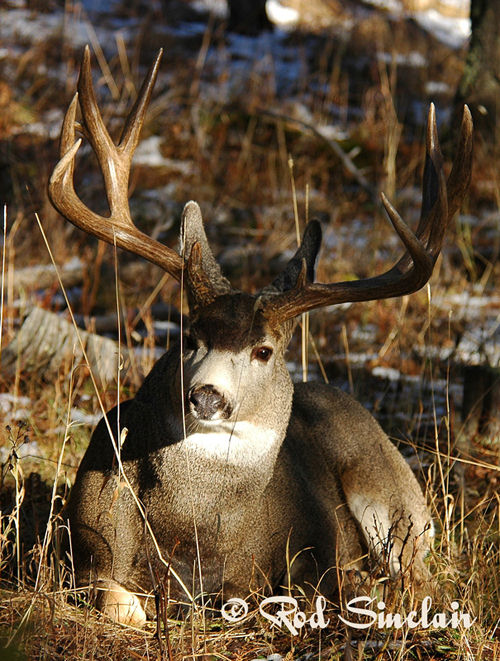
<point>221,473</point>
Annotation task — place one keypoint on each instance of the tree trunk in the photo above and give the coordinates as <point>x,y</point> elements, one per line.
<point>480,83</point>
<point>248,16</point>
<point>481,404</point>
<point>46,342</point>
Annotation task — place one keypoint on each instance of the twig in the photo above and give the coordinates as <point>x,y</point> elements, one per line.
<point>344,158</point>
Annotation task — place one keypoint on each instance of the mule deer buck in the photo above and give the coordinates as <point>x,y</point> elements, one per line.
<point>226,468</point>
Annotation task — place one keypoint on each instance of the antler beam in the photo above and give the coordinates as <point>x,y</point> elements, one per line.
<point>115,162</point>
<point>440,201</point>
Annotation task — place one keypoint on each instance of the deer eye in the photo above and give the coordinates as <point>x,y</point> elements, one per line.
<point>262,354</point>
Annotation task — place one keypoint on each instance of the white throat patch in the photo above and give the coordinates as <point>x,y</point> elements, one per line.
<point>237,443</point>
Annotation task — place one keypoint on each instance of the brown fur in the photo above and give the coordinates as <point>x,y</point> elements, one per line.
<point>231,471</point>
<point>328,448</point>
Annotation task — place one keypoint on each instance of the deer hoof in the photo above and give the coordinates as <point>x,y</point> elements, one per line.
<point>119,604</point>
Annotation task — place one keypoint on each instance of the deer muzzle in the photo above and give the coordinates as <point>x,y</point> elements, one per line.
<point>208,403</point>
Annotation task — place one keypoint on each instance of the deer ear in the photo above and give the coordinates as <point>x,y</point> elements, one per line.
<point>193,232</point>
<point>307,251</point>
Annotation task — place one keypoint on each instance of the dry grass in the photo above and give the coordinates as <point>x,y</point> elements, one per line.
<point>240,158</point>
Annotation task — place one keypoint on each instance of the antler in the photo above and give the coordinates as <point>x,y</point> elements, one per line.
<point>114,161</point>
<point>440,201</point>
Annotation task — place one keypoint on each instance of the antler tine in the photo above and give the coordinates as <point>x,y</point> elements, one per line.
<point>115,162</point>
<point>434,216</point>
<point>433,163</point>
<point>68,130</point>
<point>415,267</point>
<point>459,179</point>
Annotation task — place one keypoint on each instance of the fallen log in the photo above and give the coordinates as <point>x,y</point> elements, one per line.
<point>43,276</point>
<point>46,341</point>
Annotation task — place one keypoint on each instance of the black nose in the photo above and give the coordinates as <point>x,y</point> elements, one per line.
<point>207,401</point>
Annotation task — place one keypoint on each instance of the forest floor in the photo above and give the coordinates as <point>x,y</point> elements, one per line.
<point>314,120</point>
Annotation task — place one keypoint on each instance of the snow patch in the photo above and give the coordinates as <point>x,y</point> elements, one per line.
<point>148,153</point>
<point>389,5</point>
<point>413,59</point>
<point>280,15</point>
<point>14,407</point>
<point>433,87</point>
<point>216,7</point>
<point>388,373</point>
<point>453,32</point>
<point>81,417</point>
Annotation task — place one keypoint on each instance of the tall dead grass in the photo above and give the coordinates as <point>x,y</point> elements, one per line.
<point>244,165</point>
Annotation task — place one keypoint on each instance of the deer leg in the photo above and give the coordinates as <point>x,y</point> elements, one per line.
<point>398,538</point>
<point>119,604</point>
